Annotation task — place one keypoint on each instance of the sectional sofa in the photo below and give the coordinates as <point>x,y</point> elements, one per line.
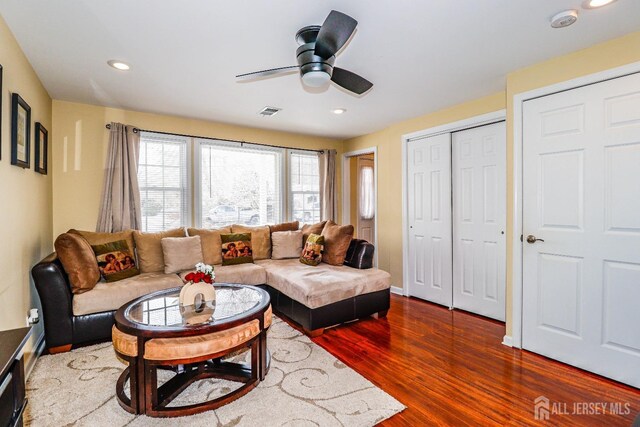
<point>314,297</point>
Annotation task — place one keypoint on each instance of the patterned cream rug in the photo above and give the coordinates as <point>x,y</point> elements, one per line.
<point>306,386</point>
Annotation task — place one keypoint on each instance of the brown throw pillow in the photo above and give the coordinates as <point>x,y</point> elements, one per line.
<point>308,229</point>
<point>79,262</point>
<point>285,226</point>
<point>312,251</point>
<point>260,239</point>
<point>236,248</point>
<point>181,253</point>
<point>96,238</point>
<point>211,243</point>
<point>149,249</point>
<point>336,242</point>
<point>115,260</point>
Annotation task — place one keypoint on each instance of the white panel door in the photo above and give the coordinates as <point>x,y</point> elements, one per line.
<point>479,219</point>
<point>366,198</point>
<point>429,216</point>
<point>581,200</point>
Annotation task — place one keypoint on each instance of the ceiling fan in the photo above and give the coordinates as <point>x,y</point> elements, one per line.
<point>316,55</point>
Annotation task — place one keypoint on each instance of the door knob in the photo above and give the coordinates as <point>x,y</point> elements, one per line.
<point>532,239</point>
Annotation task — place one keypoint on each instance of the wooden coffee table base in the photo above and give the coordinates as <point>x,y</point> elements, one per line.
<point>149,399</point>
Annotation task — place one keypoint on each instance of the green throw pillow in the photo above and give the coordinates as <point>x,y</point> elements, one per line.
<point>312,251</point>
<point>236,248</point>
<point>115,260</point>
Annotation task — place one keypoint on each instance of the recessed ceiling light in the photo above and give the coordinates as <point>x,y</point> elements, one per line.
<point>339,110</point>
<point>118,65</point>
<point>592,4</point>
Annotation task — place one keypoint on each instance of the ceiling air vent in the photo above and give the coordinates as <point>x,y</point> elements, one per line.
<point>269,111</point>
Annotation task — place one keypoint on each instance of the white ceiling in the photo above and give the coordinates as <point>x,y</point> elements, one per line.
<point>421,55</point>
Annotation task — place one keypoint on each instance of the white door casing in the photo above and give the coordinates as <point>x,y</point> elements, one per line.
<point>479,220</point>
<point>581,196</point>
<point>365,223</point>
<point>429,218</point>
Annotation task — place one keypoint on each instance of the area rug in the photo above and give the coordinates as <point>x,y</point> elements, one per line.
<point>306,386</point>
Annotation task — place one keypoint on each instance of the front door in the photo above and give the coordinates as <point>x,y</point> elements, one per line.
<point>581,225</point>
<point>429,217</point>
<point>366,198</point>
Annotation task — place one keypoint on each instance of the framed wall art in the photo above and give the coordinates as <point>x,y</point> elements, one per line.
<point>42,148</point>
<point>20,131</point>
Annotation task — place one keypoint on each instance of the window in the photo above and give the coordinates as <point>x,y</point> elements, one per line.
<point>234,183</point>
<point>239,184</point>
<point>164,187</point>
<point>304,187</point>
<point>367,205</point>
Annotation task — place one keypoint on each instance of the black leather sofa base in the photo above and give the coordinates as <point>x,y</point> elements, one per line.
<point>314,320</point>
<point>63,330</point>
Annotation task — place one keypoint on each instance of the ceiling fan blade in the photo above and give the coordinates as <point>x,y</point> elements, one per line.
<point>350,81</point>
<point>334,33</point>
<point>266,73</point>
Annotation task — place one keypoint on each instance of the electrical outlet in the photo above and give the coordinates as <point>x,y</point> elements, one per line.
<point>33,317</point>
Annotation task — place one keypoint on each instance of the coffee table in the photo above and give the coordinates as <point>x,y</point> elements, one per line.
<point>151,333</point>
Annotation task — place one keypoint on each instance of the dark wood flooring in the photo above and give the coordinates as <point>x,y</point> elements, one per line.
<point>450,368</point>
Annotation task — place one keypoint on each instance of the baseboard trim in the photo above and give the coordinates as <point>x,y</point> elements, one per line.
<point>507,340</point>
<point>37,352</point>
<point>396,290</point>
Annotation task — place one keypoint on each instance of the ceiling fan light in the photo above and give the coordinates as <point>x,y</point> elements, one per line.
<point>316,78</point>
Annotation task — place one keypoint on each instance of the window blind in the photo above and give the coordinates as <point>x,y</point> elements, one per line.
<point>163,179</point>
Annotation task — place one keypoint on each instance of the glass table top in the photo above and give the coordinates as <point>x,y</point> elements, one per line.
<point>164,310</point>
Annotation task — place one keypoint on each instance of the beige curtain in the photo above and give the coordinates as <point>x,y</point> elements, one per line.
<point>328,194</point>
<point>120,206</point>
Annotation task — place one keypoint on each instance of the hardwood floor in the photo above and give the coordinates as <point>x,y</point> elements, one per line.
<point>450,368</point>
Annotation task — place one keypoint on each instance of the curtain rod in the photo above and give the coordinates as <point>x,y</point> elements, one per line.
<point>136,130</point>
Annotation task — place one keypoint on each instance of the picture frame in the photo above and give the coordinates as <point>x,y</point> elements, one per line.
<point>42,149</point>
<point>20,132</point>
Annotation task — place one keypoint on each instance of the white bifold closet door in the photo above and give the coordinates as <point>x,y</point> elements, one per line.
<point>429,218</point>
<point>581,224</point>
<point>479,220</point>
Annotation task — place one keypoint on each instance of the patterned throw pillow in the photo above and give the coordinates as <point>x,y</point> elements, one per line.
<point>236,248</point>
<point>115,260</point>
<point>312,251</point>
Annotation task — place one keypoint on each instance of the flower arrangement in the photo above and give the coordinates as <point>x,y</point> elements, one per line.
<point>204,273</point>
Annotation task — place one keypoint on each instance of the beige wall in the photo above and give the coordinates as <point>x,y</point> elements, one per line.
<point>78,164</point>
<point>25,217</point>
<point>611,54</point>
<point>388,143</point>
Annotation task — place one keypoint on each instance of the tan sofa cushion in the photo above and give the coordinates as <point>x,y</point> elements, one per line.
<point>322,285</point>
<point>246,274</point>
<point>181,253</point>
<point>149,249</point>
<point>95,238</point>
<point>285,226</point>
<point>286,244</point>
<point>308,229</point>
<point>260,239</point>
<point>79,261</point>
<point>200,345</point>
<point>111,296</point>
<point>211,243</point>
<point>336,242</point>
